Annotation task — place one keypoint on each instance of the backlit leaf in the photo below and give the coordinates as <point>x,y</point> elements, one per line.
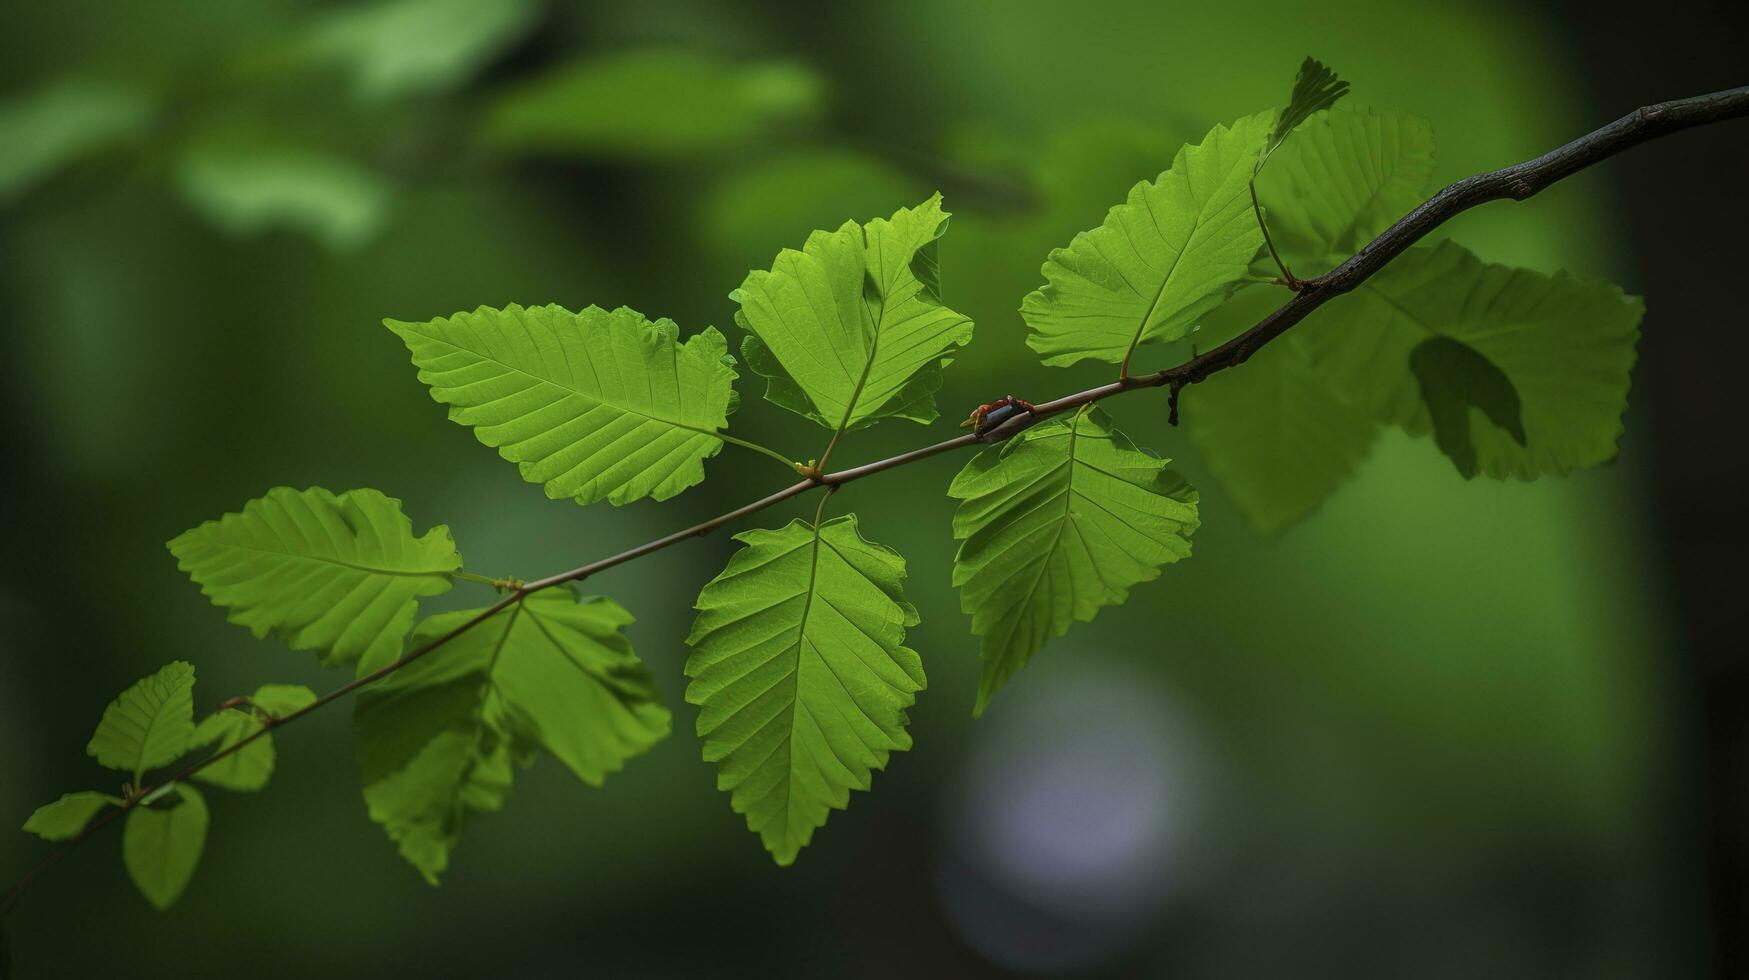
<point>1175,249</point>
<point>149,724</point>
<point>800,670</point>
<point>162,843</point>
<point>1315,87</point>
<point>851,328</point>
<point>67,816</point>
<point>337,574</point>
<point>591,405</point>
<point>250,767</point>
<point>1055,524</point>
<point>1565,344</point>
<point>435,740</point>
<point>1454,379</point>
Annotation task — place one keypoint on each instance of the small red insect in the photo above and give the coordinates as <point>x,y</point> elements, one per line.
<point>987,417</point>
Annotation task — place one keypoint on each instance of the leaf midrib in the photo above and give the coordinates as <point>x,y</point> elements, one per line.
<point>596,399</point>
<point>340,562</point>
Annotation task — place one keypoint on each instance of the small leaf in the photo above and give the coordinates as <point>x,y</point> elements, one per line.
<point>340,575</point>
<point>592,405</point>
<point>161,845</point>
<point>1315,87</point>
<point>1347,176</point>
<point>800,670</point>
<point>1566,345</point>
<point>654,103</point>
<point>435,740</point>
<point>61,123</point>
<point>1174,250</point>
<point>247,187</point>
<point>1054,524</point>
<point>397,48</point>
<point>1454,378</point>
<point>149,724</point>
<point>67,816</point>
<point>851,328</point>
<point>250,767</point>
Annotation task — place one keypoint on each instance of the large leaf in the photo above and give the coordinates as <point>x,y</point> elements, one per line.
<point>800,670</point>
<point>148,725</point>
<point>67,816</point>
<point>654,103</point>
<point>1346,176</point>
<point>161,844</point>
<point>1054,524</point>
<point>1175,249</point>
<point>851,328</point>
<point>250,767</point>
<point>340,575</point>
<point>592,405</point>
<point>436,739</point>
<point>1565,344</point>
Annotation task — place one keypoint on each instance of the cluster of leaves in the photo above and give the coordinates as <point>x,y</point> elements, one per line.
<point>148,727</point>
<point>799,666</point>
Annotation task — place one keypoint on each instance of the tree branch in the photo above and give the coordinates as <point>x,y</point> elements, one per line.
<point>1517,182</point>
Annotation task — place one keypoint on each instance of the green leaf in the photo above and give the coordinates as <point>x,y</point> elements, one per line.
<point>592,405</point>
<point>1175,249</point>
<point>851,328</point>
<point>61,123</point>
<point>1276,435</point>
<point>340,575</point>
<point>1054,524</point>
<point>1454,378</point>
<point>436,739</point>
<point>1315,87</point>
<point>149,724</point>
<point>799,667</point>
<point>248,768</point>
<point>1566,345</point>
<point>396,48</point>
<point>248,187</point>
<point>161,845</point>
<point>67,816</point>
<point>654,103</point>
<point>1346,176</point>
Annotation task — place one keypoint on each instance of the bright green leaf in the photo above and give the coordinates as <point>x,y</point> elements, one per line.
<point>592,405</point>
<point>248,768</point>
<point>62,123</point>
<point>64,818</point>
<point>1454,378</point>
<point>799,667</point>
<point>1565,344</point>
<point>149,724</point>
<point>248,187</point>
<point>340,575</point>
<point>1175,249</point>
<point>1054,524</point>
<point>654,103</point>
<point>161,845</point>
<point>435,740</point>
<point>1345,177</point>
<point>394,48</point>
<point>851,328</point>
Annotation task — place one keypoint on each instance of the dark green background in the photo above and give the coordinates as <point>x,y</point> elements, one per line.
<point>1440,729</point>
